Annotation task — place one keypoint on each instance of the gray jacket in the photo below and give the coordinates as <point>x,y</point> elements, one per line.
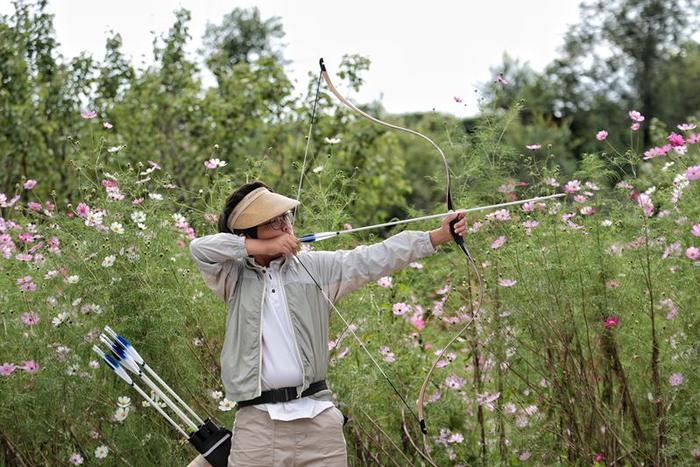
<point>238,280</point>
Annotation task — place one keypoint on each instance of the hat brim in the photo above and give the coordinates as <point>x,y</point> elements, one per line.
<point>265,207</point>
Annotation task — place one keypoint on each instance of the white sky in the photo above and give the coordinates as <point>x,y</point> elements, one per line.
<point>423,53</point>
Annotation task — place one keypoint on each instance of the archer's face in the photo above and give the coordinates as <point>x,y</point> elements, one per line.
<point>276,227</point>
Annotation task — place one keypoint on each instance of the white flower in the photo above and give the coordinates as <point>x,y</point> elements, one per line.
<point>74,279</point>
<point>510,408</point>
<point>216,395</point>
<point>156,196</point>
<point>606,223</point>
<point>94,364</point>
<point>332,141</point>
<point>317,169</point>
<point>116,227</point>
<point>94,218</point>
<point>58,320</point>
<point>121,414</point>
<point>101,451</point>
<point>225,405</point>
<point>50,275</point>
<point>108,261</point>
<point>124,401</point>
<point>114,149</point>
<point>138,216</point>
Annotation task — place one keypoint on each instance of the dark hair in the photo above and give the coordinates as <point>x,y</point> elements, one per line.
<point>231,203</point>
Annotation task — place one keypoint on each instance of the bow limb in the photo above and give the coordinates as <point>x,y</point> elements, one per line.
<point>351,106</point>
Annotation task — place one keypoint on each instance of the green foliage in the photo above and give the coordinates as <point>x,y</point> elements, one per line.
<point>537,374</point>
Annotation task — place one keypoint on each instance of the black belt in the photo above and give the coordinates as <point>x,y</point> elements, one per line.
<point>274,396</point>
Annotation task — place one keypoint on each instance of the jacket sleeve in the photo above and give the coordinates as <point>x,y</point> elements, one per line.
<point>343,271</point>
<point>217,257</point>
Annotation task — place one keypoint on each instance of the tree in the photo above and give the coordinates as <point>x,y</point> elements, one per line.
<point>242,37</point>
<point>613,57</point>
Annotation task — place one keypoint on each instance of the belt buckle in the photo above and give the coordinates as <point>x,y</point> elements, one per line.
<point>279,395</point>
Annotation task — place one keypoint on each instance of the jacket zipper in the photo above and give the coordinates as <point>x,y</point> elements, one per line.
<point>262,305</point>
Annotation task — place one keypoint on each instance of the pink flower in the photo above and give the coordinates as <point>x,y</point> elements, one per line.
<point>417,321</point>
<point>30,318</point>
<point>668,304</point>
<point>644,201</point>
<point>506,282</point>
<point>694,138</point>
<point>29,184</point>
<point>400,309</point>
<point>601,135</point>
<point>458,99</point>
<point>487,400</point>
<point>693,173</point>
<point>686,126</point>
<point>500,79</point>
<point>454,382</point>
<point>676,379</point>
<point>498,243</point>
<point>384,282</point>
<point>25,284</point>
<point>34,206</point>
<point>82,210</point>
<point>88,114</point>
<point>347,226</point>
<point>572,186</point>
<point>76,459</point>
<point>533,147</point>
<point>30,366</point>
<point>636,116</point>
<point>387,354</point>
<point>137,201</point>
<point>500,215</point>
<point>529,225</point>
<point>676,140</point>
<point>6,369</point>
<point>528,207</point>
<point>525,455</point>
<point>214,163</point>
<point>692,253</point>
<point>611,321</point>
<point>635,126</point>
<point>107,125</point>
<point>695,230</point>
<point>599,457</point>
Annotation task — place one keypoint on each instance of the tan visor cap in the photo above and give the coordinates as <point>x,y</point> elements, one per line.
<point>258,207</point>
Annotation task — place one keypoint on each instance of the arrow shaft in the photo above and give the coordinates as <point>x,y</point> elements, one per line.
<point>325,235</point>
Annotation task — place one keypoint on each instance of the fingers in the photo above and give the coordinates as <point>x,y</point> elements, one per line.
<point>290,245</point>
<point>460,226</point>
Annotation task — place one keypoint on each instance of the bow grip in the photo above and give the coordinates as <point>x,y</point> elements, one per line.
<point>459,240</point>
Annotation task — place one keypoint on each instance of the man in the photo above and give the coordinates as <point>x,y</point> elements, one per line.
<point>274,358</point>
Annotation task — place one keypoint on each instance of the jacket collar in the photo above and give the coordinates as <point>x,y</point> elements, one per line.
<point>279,263</point>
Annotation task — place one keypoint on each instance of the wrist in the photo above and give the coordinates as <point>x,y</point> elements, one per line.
<point>255,246</point>
<point>438,237</point>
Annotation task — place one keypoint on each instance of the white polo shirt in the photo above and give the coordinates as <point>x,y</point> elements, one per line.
<point>281,363</point>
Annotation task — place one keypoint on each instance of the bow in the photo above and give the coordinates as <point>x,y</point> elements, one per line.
<point>420,417</point>
<point>450,207</point>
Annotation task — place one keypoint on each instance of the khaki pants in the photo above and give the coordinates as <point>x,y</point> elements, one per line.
<point>313,442</point>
